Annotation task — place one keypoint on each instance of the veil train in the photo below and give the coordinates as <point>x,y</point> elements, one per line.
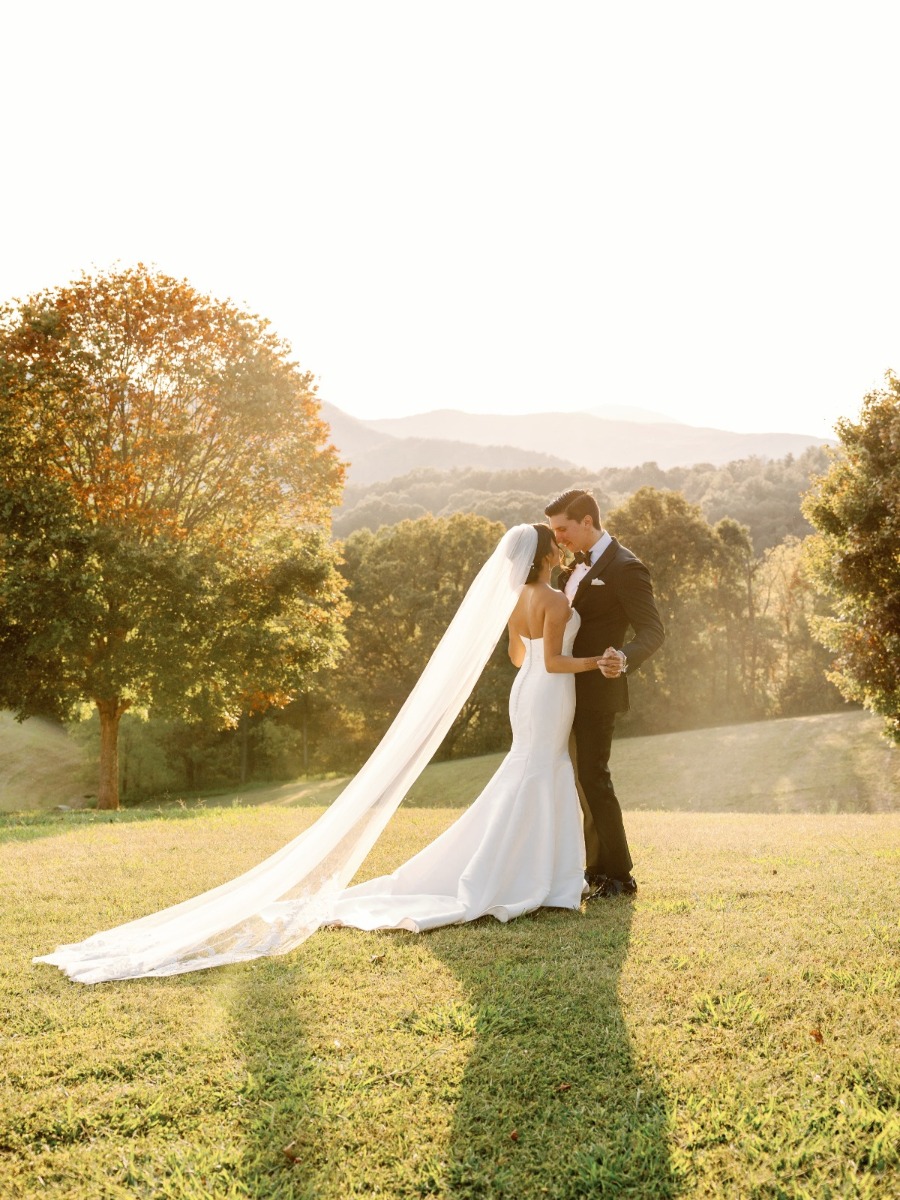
<point>277,904</point>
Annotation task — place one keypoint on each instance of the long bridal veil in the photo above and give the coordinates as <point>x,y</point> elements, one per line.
<point>275,906</point>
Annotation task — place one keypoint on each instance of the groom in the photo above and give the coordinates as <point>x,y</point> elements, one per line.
<point>610,589</point>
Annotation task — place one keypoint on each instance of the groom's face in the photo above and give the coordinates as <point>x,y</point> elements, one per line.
<point>573,535</point>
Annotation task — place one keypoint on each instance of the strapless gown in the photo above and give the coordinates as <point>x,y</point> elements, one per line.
<point>518,847</point>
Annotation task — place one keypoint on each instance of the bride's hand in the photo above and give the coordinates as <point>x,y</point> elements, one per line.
<point>611,663</point>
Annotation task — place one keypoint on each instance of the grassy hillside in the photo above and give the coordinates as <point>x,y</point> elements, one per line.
<point>838,762</point>
<point>39,765</point>
<point>833,763</point>
<point>729,1033</point>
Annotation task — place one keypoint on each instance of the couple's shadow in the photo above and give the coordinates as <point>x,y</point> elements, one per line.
<point>550,1101</point>
<point>553,1102</point>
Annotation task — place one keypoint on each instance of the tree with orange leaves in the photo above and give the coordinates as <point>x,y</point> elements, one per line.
<point>165,488</point>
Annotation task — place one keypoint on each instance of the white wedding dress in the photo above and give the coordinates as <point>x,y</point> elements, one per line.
<point>518,847</point>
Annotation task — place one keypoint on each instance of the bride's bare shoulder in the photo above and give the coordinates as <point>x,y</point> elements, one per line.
<point>555,600</point>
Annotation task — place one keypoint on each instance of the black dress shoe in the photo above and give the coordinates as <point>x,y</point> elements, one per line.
<point>617,887</point>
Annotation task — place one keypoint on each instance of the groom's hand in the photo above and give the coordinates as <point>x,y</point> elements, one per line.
<point>611,663</point>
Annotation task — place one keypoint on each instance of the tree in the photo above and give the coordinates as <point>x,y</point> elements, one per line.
<point>789,604</point>
<point>855,555</point>
<point>165,484</point>
<point>708,670</point>
<point>405,583</point>
<point>677,544</point>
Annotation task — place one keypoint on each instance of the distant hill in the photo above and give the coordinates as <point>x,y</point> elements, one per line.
<point>375,454</point>
<point>593,441</point>
<point>762,494</point>
<point>628,412</point>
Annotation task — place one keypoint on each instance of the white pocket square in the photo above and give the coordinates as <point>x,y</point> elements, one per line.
<point>597,583</point>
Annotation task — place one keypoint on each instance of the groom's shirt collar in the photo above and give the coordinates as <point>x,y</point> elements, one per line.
<point>599,546</point>
<point>581,569</point>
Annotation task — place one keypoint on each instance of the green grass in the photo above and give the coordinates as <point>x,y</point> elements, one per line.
<point>731,1032</point>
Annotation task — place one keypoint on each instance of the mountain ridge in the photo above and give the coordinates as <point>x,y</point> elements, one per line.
<point>375,455</point>
<point>598,441</point>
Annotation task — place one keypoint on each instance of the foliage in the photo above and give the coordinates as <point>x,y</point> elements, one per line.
<point>739,644</point>
<point>699,676</point>
<point>763,495</point>
<point>730,1032</point>
<point>161,757</point>
<point>405,583</point>
<point>855,555</point>
<point>164,488</point>
<point>725,658</point>
<point>788,607</point>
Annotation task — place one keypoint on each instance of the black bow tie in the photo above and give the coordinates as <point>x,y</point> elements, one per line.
<point>582,556</point>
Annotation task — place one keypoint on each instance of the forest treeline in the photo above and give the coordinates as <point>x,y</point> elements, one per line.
<point>764,495</point>
<point>739,648</point>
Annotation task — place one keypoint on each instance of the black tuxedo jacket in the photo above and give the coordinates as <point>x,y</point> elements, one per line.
<point>616,593</point>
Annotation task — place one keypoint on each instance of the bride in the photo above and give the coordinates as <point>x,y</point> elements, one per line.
<point>518,847</point>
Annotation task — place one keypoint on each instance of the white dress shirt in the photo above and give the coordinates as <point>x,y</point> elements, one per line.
<point>581,569</point>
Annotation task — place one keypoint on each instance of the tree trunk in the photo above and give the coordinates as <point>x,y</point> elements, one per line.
<point>244,732</point>
<point>110,714</point>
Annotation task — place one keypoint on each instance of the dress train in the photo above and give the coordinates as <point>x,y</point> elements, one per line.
<point>518,847</point>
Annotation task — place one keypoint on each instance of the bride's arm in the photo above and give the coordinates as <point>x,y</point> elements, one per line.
<point>556,617</point>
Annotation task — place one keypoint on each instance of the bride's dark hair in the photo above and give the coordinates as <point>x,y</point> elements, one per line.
<point>546,541</point>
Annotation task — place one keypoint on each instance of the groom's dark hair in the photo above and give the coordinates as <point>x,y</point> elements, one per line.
<point>576,504</point>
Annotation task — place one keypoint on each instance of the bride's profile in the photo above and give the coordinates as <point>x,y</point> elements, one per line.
<point>518,847</point>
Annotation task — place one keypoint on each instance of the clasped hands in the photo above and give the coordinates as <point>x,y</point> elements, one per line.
<point>611,663</point>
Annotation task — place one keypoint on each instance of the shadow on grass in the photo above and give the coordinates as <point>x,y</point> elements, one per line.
<point>278,1106</point>
<point>552,1102</point>
<point>549,1102</point>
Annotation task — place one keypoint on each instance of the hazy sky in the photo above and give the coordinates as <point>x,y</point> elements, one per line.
<point>496,206</point>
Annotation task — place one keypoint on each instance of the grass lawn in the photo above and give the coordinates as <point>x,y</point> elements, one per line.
<point>731,1032</point>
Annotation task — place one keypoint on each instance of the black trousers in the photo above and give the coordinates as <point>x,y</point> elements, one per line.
<point>604,831</point>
